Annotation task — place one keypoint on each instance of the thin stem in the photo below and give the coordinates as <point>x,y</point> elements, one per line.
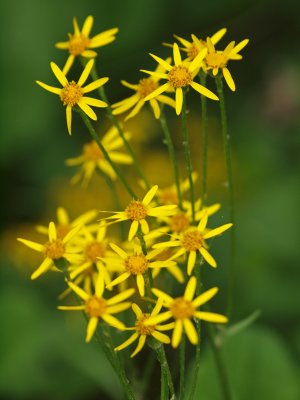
<point>204,126</point>
<point>94,135</point>
<point>222,373</point>
<point>187,154</point>
<point>227,152</point>
<point>181,368</point>
<point>116,123</point>
<point>169,143</point>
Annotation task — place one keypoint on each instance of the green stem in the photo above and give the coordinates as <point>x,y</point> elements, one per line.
<point>116,123</point>
<point>204,126</point>
<point>169,143</point>
<point>227,152</point>
<point>187,154</point>
<point>222,373</point>
<point>181,368</point>
<point>94,135</point>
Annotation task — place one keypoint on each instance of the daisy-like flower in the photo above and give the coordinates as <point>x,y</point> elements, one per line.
<point>142,331</point>
<point>193,240</point>
<point>142,89</point>
<point>72,93</point>
<point>184,309</point>
<point>169,195</point>
<point>92,157</point>
<point>54,249</point>
<point>135,264</point>
<point>194,47</point>
<point>180,76</point>
<point>80,44</point>
<point>98,308</point>
<point>216,60</point>
<point>64,224</point>
<point>137,212</point>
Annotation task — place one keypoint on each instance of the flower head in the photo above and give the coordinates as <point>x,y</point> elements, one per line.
<point>180,76</point>
<point>80,44</point>
<point>92,157</point>
<point>192,241</point>
<point>145,87</point>
<point>53,250</point>
<point>97,307</point>
<point>184,309</point>
<point>143,331</point>
<point>72,93</point>
<point>137,211</point>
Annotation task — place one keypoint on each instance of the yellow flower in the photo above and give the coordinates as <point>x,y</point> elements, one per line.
<point>142,89</point>
<point>137,211</point>
<point>193,240</point>
<point>79,43</point>
<point>184,309</point>
<point>93,158</point>
<point>135,264</point>
<point>54,249</point>
<point>73,93</point>
<point>216,60</point>
<point>98,307</point>
<point>180,76</point>
<point>142,331</point>
<point>194,47</point>
<point>64,224</point>
<point>169,195</point>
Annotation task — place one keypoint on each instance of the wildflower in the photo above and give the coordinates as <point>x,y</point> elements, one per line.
<point>193,240</point>
<point>54,249</point>
<point>184,309</point>
<point>92,157</point>
<point>142,90</point>
<point>80,44</point>
<point>64,224</point>
<point>97,307</point>
<point>142,331</point>
<point>180,76</point>
<point>169,195</point>
<point>135,264</point>
<point>194,47</point>
<point>137,211</point>
<point>216,60</point>
<point>73,93</point>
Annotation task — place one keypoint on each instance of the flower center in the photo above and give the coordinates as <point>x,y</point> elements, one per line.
<point>136,264</point>
<point>95,250</point>
<point>92,151</point>
<point>71,94</point>
<point>182,308</point>
<point>168,196</point>
<point>192,240</point>
<point>216,60</point>
<point>179,76</point>
<point>179,223</point>
<point>77,44</point>
<point>141,328</point>
<point>136,211</point>
<point>146,86</point>
<point>95,306</point>
<point>54,250</point>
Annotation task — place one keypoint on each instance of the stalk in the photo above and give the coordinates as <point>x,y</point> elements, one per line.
<point>204,126</point>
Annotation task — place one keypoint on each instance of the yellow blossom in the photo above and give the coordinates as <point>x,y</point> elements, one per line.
<point>72,93</point>
<point>80,44</point>
<point>180,76</point>
<point>184,309</point>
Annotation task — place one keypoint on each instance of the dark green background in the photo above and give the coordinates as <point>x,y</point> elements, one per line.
<point>42,355</point>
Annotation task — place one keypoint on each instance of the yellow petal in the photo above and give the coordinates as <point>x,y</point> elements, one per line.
<point>52,232</point>
<point>140,345</point>
<point>80,292</point>
<point>140,284</point>
<point>217,231</point>
<point>190,289</point>
<point>33,245</point>
<point>161,337</point>
<point>94,85</point>
<point>176,54</point>
<point>94,102</point>
<point>45,266</point>
<point>215,38</point>
<point>120,297</point>
<point>127,342</point>
<point>59,74</point>
<point>191,262</point>
<point>158,91</point>
<point>162,62</point>
<point>91,328</point>
<point>177,333</point>
<point>51,89</point>
<point>208,257</point>
<point>85,73</point>
<point>178,100</point>
<point>202,90</point>
<point>87,26</point>
<point>149,195</point>
<point>119,279</point>
<point>133,230</point>
<point>87,109</point>
<point>212,317</point>
<point>228,79</point>
<point>119,251</point>
<point>69,118</point>
<point>113,321</point>
<point>203,222</point>
<point>136,309</point>
<point>205,297</point>
<point>190,331</point>
<point>68,64</point>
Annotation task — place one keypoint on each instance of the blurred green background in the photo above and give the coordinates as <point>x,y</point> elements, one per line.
<point>42,352</point>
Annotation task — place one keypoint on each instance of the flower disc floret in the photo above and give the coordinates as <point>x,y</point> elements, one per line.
<point>141,328</point>
<point>94,250</point>
<point>146,86</point>
<point>182,308</point>
<point>71,94</point>
<point>136,264</point>
<point>54,250</point>
<point>192,240</point>
<point>78,44</point>
<point>180,76</point>
<point>92,152</point>
<point>179,223</point>
<point>95,307</point>
<point>136,211</point>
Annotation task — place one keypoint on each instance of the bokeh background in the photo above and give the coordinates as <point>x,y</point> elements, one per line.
<point>42,352</point>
